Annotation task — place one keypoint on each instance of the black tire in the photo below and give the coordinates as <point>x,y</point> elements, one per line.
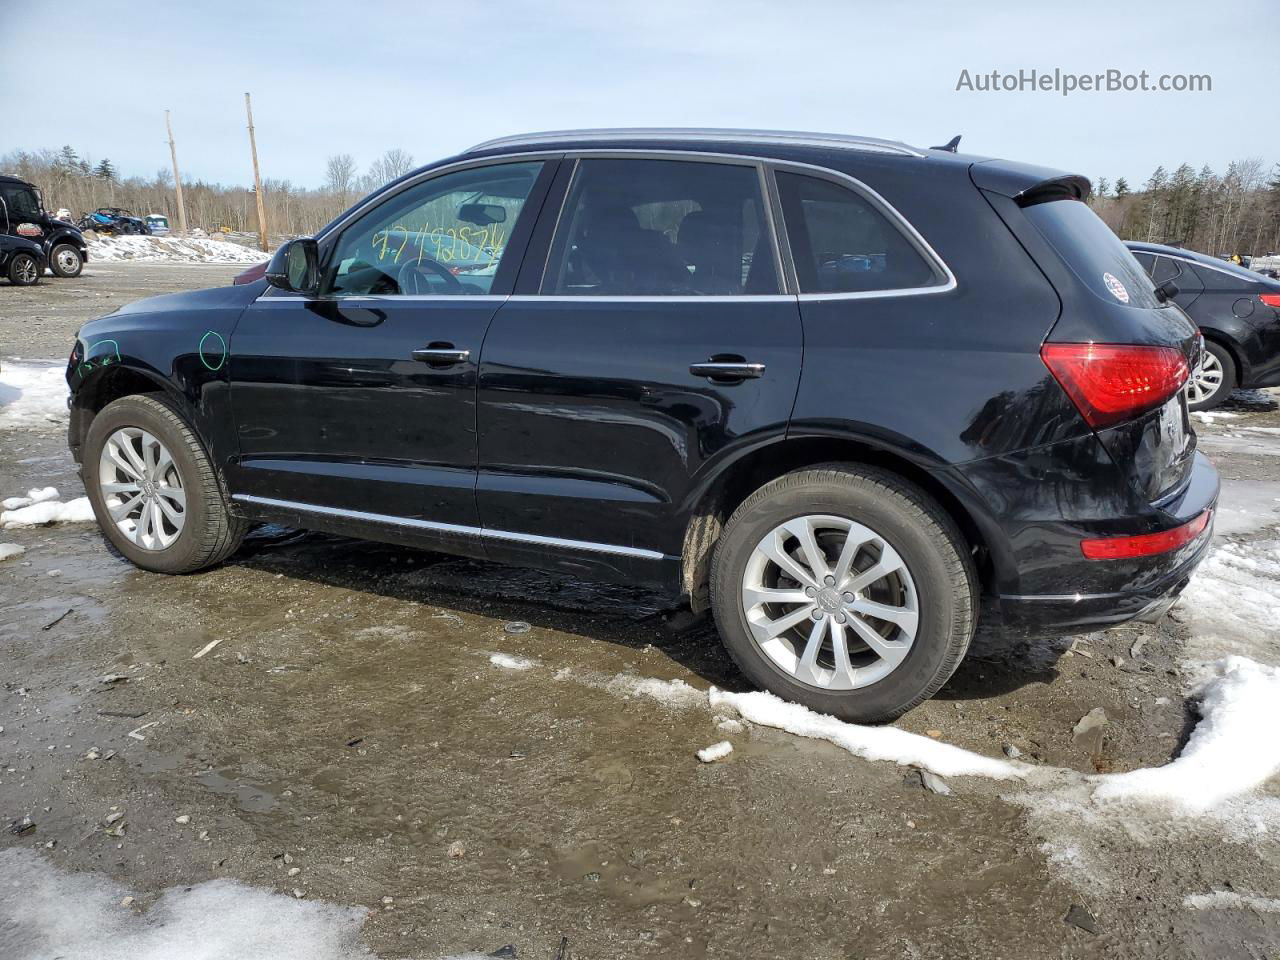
<point>66,260</point>
<point>1230,378</point>
<point>210,533</point>
<point>24,270</point>
<point>925,537</point>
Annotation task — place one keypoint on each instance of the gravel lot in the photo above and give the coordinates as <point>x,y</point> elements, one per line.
<point>349,740</point>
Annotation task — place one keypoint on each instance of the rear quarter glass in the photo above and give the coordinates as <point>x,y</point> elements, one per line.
<point>1095,255</point>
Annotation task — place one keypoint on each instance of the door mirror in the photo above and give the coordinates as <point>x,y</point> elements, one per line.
<point>1166,291</point>
<point>295,267</point>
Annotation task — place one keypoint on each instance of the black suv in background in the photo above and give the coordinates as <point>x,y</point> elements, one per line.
<point>22,214</point>
<point>847,394</point>
<point>1237,310</point>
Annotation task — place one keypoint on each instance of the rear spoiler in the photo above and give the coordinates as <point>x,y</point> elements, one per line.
<point>1027,184</point>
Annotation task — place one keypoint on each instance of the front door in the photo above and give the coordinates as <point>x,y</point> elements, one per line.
<point>20,213</point>
<point>362,400</point>
<point>657,342</point>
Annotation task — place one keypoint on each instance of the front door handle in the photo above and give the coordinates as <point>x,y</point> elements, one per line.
<point>727,369</point>
<point>441,355</point>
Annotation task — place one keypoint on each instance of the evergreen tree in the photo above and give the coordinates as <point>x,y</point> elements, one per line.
<point>105,171</point>
<point>68,159</point>
<point>1122,188</point>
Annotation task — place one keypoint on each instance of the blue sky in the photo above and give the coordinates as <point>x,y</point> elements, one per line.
<point>362,76</point>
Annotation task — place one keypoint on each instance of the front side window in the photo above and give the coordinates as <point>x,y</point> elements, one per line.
<point>841,243</point>
<point>21,201</point>
<point>445,236</point>
<point>633,227</point>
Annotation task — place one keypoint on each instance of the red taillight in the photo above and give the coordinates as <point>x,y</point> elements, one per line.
<point>1144,545</point>
<point>1112,382</point>
<point>1270,299</point>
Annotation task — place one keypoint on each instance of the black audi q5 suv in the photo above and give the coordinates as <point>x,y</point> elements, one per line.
<point>848,395</point>
<point>1237,310</point>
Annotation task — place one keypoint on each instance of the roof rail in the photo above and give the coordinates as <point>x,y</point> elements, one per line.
<point>773,137</point>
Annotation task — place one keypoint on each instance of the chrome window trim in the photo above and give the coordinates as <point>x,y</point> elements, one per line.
<point>767,165</point>
<point>1207,266</point>
<point>355,299</point>
<point>681,298</point>
<point>453,528</point>
<point>716,135</point>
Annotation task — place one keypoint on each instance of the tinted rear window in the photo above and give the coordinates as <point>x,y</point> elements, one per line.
<point>1094,254</point>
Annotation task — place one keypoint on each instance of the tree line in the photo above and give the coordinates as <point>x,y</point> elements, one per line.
<point>73,180</point>
<point>1237,211</point>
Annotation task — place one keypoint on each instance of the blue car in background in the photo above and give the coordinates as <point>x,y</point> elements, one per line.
<point>114,220</point>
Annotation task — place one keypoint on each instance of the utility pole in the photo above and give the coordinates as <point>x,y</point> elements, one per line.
<point>177,178</point>
<point>257,179</point>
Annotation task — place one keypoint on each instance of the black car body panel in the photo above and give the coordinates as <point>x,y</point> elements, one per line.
<point>11,245</point>
<point>572,433</point>
<point>30,220</point>
<point>1223,300</point>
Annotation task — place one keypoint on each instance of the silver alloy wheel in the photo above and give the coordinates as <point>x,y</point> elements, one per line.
<point>28,269</point>
<point>142,489</point>
<point>1206,379</point>
<point>67,260</point>
<point>830,602</point>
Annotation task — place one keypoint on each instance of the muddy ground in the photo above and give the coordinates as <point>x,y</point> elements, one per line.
<point>350,726</point>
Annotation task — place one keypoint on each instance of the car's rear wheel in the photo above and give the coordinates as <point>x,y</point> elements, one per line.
<point>1213,379</point>
<point>24,270</point>
<point>153,488</point>
<point>65,261</point>
<point>844,588</point>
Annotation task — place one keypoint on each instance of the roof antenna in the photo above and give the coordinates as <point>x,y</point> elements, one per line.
<point>950,145</point>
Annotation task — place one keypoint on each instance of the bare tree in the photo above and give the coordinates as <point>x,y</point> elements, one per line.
<point>340,177</point>
<point>392,165</point>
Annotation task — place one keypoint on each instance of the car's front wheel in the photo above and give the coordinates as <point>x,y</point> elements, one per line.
<point>65,261</point>
<point>844,588</point>
<point>154,490</point>
<point>1213,379</point>
<point>24,270</point>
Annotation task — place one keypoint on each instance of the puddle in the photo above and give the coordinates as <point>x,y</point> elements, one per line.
<point>250,797</point>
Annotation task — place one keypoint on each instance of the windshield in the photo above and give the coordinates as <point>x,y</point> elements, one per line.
<point>1094,254</point>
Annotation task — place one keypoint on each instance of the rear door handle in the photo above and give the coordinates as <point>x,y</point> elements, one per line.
<point>441,355</point>
<point>727,370</point>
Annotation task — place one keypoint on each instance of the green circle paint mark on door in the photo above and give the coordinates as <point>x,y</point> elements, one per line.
<point>207,355</point>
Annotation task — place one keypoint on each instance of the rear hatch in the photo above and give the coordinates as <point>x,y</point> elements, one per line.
<point>1119,349</point>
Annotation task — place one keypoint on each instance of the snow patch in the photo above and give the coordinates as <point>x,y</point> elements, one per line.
<point>717,751</point>
<point>870,743</point>
<point>1246,506</point>
<point>1225,756</point>
<point>509,662</point>
<point>49,511</point>
<point>671,693</point>
<point>46,912</point>
<point>1230,900</point>
<point>33,393</point>
<point>38,495</point>
<point>8,550</point>
<point>166,249</point>
<point>1232,605</point>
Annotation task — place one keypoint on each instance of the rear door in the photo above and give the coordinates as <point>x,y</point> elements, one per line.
<point>361,401</point>
<point>657,341</point>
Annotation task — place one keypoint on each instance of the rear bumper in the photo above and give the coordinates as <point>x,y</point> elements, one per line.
<point>1053,590</point>
<point>1047,615</point>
